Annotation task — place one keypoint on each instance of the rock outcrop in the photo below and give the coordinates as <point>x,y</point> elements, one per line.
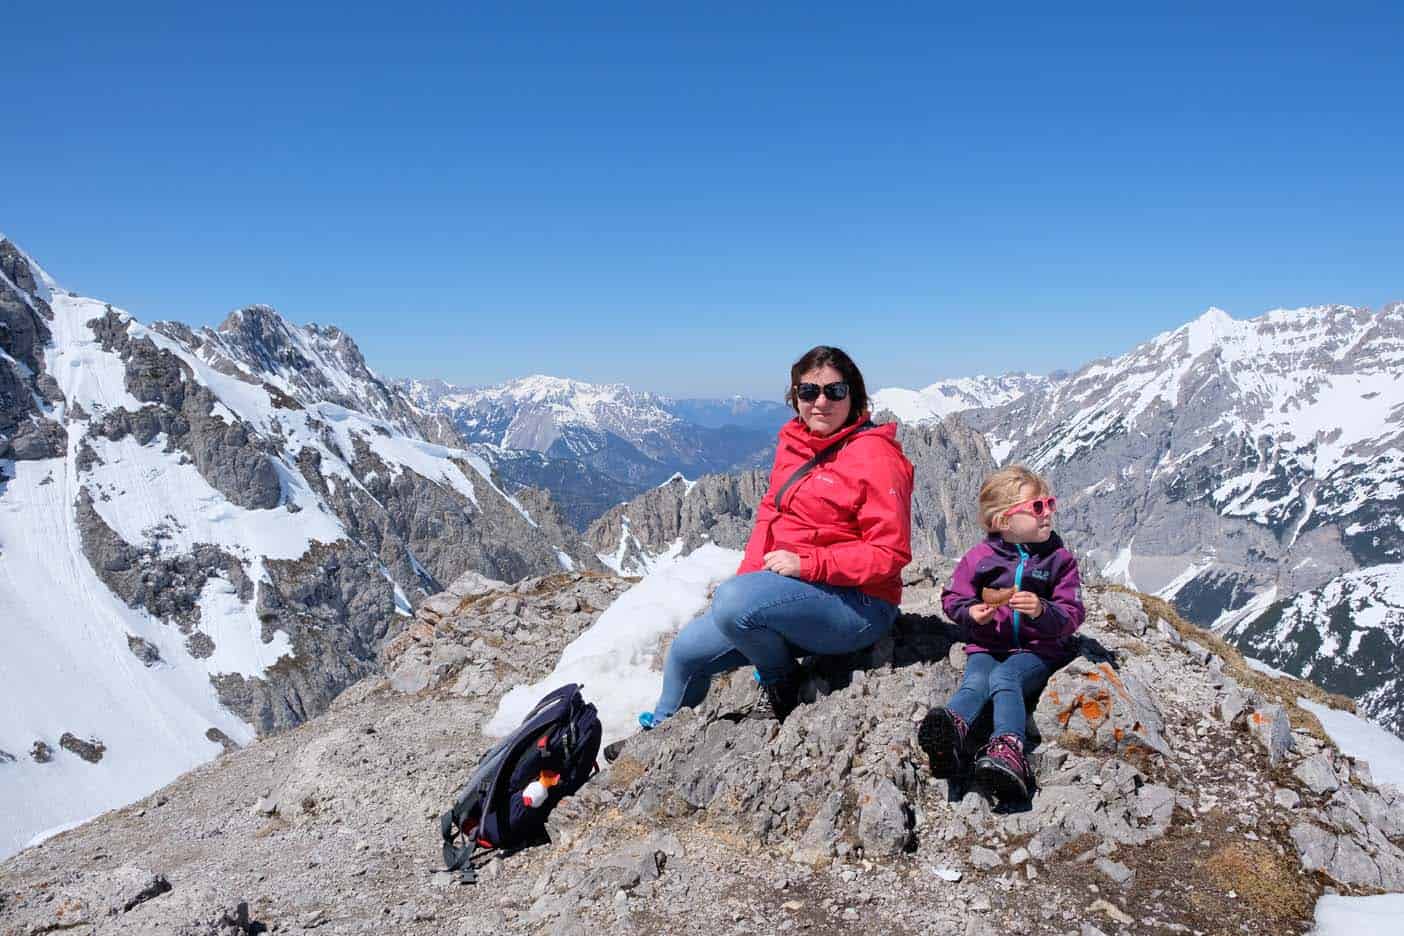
<point>1158,807</point>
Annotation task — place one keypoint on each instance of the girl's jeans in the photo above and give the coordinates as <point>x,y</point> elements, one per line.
<point>767,620</point>
<point>1006,683</point>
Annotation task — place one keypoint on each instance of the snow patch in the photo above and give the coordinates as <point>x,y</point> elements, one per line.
<point>1363,740</point>
<point>1358,916</point>
<point>614,661</point>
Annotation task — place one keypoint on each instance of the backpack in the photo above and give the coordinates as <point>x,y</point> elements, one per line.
<point>555,747</point>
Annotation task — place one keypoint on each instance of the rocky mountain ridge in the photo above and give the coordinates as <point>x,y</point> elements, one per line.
<point>209,534</point>
<point>1180,791</point>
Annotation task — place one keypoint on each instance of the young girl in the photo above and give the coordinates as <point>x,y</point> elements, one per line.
<point>1017,599</point>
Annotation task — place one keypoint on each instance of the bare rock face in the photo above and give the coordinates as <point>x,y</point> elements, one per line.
<point>237,464</point>
<point>26,431</point>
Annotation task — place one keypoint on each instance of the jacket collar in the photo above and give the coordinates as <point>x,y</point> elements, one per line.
<point>796,433</point>
<point>1011,551</point>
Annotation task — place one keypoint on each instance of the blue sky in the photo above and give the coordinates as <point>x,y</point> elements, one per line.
<point>685,197</point>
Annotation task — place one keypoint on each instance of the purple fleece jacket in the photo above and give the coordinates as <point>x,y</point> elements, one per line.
<point>1047,569</point>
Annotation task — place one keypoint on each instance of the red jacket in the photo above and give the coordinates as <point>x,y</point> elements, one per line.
<point>849,520</point>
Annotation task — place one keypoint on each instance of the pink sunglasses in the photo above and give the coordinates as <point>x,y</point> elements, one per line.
<point>1038,507</point>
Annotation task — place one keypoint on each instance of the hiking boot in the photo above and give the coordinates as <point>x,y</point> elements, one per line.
<point>612,751</point>
<point>942,737</point>
<point>1003,768</point>
<point>777,699</point>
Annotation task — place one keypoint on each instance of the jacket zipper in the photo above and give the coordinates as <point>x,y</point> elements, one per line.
<point>1019,584</point>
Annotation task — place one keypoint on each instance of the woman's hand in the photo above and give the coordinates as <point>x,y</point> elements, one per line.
<point>782,562</point>
<point>980,613</point>
<point>1026,602</point>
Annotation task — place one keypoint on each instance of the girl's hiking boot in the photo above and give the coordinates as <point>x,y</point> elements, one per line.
<point>1004,770</point>
<point>942,737</point>
<point>777,699</point>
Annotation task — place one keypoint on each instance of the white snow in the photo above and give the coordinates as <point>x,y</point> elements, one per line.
<point>64,628</point>
<point>1363,740</point>
<point>147,489</point>
<point>234,627</point>
<point>956,395</point>
<point>1266,669</point>
<point>614,661</point>
<point>1119,569</point>
<point>1379,915</point>
<point>1256,605</point>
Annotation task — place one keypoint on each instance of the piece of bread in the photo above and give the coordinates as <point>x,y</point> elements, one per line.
<point>994,597</point>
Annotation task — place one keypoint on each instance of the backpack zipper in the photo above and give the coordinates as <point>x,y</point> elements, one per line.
<point>1018,584</point>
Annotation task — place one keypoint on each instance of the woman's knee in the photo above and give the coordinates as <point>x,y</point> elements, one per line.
<point>733,601</point>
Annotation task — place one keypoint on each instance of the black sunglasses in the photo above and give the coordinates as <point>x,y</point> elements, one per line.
<point>809,392</point>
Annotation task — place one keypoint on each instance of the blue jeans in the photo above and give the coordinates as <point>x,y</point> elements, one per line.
<point>1005,683</point>
<point>767,620</point>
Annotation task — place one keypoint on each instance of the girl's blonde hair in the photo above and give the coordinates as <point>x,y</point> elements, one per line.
<point>1001,491</point>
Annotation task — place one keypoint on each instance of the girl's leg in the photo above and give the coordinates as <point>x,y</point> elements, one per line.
<point>1010,680</point>
<point>974,689</point>
<point>698,653</point>
<point>772,619</point>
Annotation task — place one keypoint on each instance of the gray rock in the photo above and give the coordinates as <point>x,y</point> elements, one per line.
<point>1270,725</point>
<point>985,858</point>
<point>1286,798</point>
<point>1317,775</point>
<point>1232,705</point>
<point>1117,872</point>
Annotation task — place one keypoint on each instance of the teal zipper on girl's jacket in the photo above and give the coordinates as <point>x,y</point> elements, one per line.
<point>1019,584</point>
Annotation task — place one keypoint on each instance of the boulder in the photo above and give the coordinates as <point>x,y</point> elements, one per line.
<point>1094,705</point>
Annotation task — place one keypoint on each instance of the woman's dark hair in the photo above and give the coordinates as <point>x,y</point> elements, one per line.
<point>822,356</point>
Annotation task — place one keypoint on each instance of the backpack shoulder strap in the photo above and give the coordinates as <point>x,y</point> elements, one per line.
<point>823,455</point>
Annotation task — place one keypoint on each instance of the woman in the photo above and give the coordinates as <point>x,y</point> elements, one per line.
<point>822,570</point>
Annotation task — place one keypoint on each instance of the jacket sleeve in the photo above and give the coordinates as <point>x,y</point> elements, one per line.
<point>1063,611</point>
<point>884,546</point>
<point>754,557</point>
<point>957,597</point>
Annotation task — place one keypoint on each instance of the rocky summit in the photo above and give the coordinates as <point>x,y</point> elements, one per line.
<point>1179,792</point>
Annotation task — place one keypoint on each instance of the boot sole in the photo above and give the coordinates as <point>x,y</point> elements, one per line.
<point>1006,785</point>
<point>938,738</point>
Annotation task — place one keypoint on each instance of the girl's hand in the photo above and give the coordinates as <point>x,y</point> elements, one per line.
<point>1027,602</point>
<point>782,562</point>
<point>980,613</point>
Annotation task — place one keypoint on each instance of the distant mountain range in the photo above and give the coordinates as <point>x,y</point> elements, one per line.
<point>623,441</point>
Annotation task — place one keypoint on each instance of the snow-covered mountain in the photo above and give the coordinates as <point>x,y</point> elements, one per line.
<point>630,436</point>
<point>1232,464</point>
<point>1346,636</point>
<point>947,397</point>
<point>1228,457</point>
<point>207,534</point>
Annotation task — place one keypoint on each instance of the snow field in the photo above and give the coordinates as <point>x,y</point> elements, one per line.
<point>64,628</point>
